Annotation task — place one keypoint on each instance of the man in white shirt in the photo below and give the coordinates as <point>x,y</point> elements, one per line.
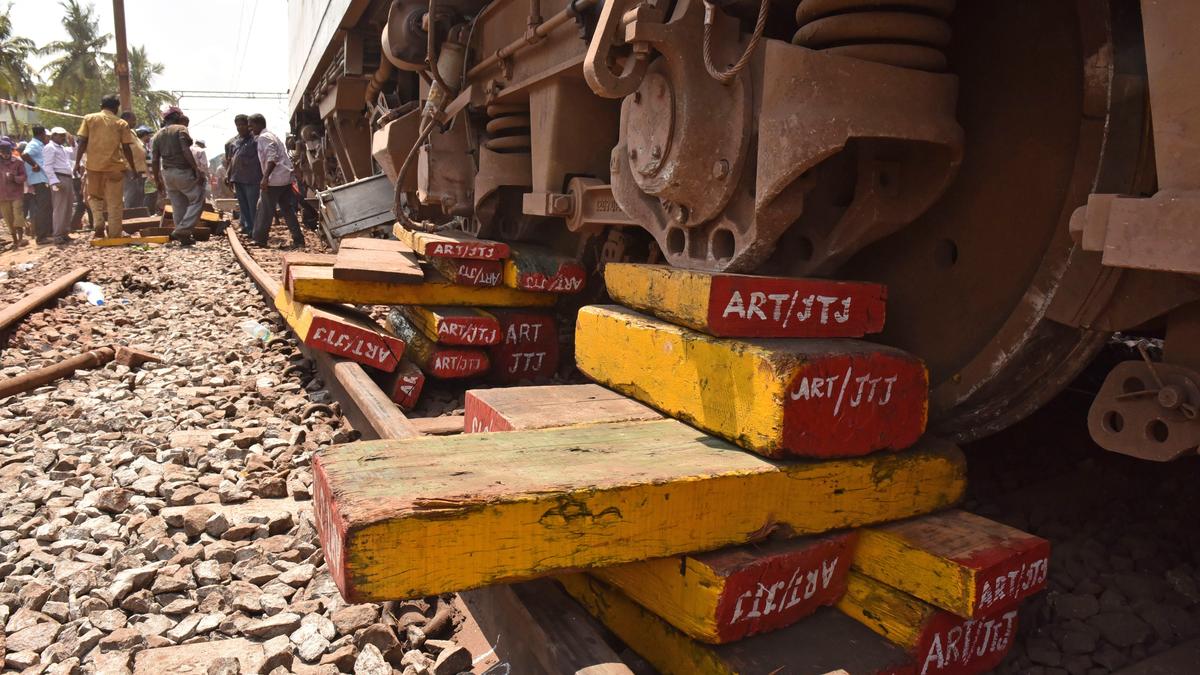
<point>276,185</point>
<point>59,167</point>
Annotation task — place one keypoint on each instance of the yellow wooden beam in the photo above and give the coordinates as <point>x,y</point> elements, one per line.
<point>815,398</point>
<point>826,642</point>
<point>726,595</point>
<point>938,641</point>
<point>956,560</point>
<point>450,244</point>
<point>128,241</point>
<point>316,284</point>
<point>741,305</point>
<point>402,519</point>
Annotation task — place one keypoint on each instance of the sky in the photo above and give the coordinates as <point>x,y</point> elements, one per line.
<point>228,45</point>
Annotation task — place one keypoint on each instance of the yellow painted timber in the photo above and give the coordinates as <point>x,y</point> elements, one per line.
<point>958,561</point>
<point>402,519</point>
<point>745,390</point>
<point>316,284</point>
<point>822,643</point>
<point>895,615</point>
<point>129,241</point>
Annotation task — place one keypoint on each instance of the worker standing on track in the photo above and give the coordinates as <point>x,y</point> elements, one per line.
<point>198,149</point>
<point>276,185</point>
<point>12,190</point>
<point>245,171</point>
<point>60,172</point>
<point>176,174</point>
<point>105,138</point>
<point>36,180</point>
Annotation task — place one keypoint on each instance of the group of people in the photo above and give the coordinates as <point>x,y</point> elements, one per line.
<point>111,159</point>
<point>259,170</point>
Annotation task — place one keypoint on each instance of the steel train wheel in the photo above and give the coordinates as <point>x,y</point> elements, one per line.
<point>970,282</point>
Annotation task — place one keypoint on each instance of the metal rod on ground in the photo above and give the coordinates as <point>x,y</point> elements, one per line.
<point>122,55</point>
<point>371,412</point>
<point>39,296</point>
<point>36,378</point>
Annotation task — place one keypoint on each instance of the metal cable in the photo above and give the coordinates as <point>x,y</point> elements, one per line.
<point>726,76</point>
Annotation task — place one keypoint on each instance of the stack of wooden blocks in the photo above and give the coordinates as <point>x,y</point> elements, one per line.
<point>462,307</point>
<point>763,501</point>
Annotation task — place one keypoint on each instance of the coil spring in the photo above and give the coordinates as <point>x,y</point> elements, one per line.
<point>508,129</point>
<point>903,33</point>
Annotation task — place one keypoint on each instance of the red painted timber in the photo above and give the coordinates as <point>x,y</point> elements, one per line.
<point>469,272</point>
<point>403,385</point>
<point>528,349</point>
<point>748,306</point>
<point>773,586</point>
<point>353,338</point>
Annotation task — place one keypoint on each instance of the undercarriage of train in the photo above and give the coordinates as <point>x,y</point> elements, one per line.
<point>1020,173</point>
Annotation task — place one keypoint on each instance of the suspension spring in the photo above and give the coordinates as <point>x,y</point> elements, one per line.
<point>508,129</point>
<point>903,33</point>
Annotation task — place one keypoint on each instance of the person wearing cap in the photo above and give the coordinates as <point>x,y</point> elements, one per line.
<point>36,180</point>
<point>176,174</point>
<point>59,172</point>
<point>135,185</point>
<point>107,143</point>
<point>12,190</point>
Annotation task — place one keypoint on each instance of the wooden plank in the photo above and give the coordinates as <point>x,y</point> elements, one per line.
<point>436,514</point>
<point>546,407</point>
<point>826,642</point>
<point>528,349</point>
<point>813,398</point>
<point>537,628</point>
<point>403,385</point>
<point>373,244</point>
<point>358,264</point>
<point>451,244</point>
<point>127,241</point>
<point>532,268</point>
<point>437,360</point>
<point>726,595</point>
<point>341,332</point>
<point>301,258</point>
<point>939,642</point>
<point>955,560</point>
<point>439,426</point>
<point>316,284</point>
<point>464,326</point>
<point>132,225</point>
<point>156,231</point>
<point>469,272</point>
<point>740,305</point>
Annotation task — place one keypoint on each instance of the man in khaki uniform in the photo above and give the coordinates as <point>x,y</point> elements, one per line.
<point>105,138</point>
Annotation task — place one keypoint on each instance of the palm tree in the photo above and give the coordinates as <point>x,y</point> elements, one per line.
<point>16,78</point>
<point>147,101</point>
<point>77,75</point>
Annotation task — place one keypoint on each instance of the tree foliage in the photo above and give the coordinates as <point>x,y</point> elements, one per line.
<point>77,72</point>
<point>16,77</point>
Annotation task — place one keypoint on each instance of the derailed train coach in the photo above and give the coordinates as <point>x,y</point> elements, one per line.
<point>1021,174</point>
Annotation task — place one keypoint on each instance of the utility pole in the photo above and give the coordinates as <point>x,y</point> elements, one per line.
<point>122,56</point>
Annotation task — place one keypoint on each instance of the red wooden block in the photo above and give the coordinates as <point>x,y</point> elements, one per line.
<point>469,272</point>
<point>353,337</point>
<point>726,595</point>
<point>528,349</point>
<point>403,385</point>
<point>461,326</point>
<point>844,403</point>
<point>548,406</point>
<point>952,645</point>
<point>434,359</point>
<point>740,305</point>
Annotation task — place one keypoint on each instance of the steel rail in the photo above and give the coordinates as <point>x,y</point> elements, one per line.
<point>39,296</point>
<point>369,410</point>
